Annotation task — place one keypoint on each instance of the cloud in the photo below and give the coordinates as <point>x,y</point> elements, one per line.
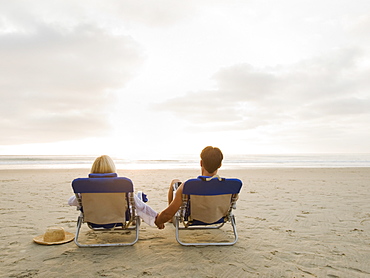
<point>63,64</point>
<point>247,97</point>
<point>57,80</point>
<point>358,28</point>
<point>154,14</point>
<point>158,14</point>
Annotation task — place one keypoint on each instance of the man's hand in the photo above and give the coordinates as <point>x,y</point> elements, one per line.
<point>160,226</point>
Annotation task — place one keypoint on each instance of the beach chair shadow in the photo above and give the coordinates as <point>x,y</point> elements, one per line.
<point>207,204</point>
<point>106,203</point>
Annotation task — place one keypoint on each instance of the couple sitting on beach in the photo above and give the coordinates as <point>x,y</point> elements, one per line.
<point>211,160</point>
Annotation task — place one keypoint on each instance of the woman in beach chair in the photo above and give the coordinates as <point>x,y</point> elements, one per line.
<point>108,202</point>
<point>205,202</point>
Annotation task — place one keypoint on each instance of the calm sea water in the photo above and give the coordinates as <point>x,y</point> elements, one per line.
<point>230,162</point>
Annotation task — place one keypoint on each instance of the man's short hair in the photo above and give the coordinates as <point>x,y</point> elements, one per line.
<point>212,158</point>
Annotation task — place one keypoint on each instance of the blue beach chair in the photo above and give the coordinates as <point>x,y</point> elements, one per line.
<point>208,204</point>
<point>106,203</point>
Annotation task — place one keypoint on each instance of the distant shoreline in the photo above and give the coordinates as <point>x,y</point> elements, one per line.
<point>230,162</point>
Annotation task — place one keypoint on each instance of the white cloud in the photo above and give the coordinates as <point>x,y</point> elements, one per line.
<point>276,73</point>
<point>330,90</point>
<point>57,81</point>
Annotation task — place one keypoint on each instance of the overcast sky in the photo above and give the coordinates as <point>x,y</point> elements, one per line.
<point>153,79</point>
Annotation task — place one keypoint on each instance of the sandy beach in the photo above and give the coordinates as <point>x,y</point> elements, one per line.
<point>291,222</point>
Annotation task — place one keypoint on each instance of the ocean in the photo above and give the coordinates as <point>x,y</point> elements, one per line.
<point>230,162</point>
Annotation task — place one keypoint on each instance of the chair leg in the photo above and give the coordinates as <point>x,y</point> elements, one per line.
<point>176,223</point>
<point>137,228</point>
<point>233,224</point>
<point>79,223</point>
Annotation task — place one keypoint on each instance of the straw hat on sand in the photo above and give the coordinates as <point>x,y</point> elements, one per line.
<point>54,235</point>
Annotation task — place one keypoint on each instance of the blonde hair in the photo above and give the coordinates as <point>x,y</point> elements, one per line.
<point>103,164</point>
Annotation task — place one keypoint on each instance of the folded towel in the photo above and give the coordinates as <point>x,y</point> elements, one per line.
<point>144,211</point>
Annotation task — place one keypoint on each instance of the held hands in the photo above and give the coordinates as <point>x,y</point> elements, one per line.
<point>159,225</point>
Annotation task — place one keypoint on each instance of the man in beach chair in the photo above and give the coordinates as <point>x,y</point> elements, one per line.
<point>106,203</point>
<point>202,203</point>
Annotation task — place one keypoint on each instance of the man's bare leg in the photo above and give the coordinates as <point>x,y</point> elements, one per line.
<point>170,193</point>
<point>171,189</point>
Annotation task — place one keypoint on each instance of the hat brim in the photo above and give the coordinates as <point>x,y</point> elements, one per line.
<point>40,239</point>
